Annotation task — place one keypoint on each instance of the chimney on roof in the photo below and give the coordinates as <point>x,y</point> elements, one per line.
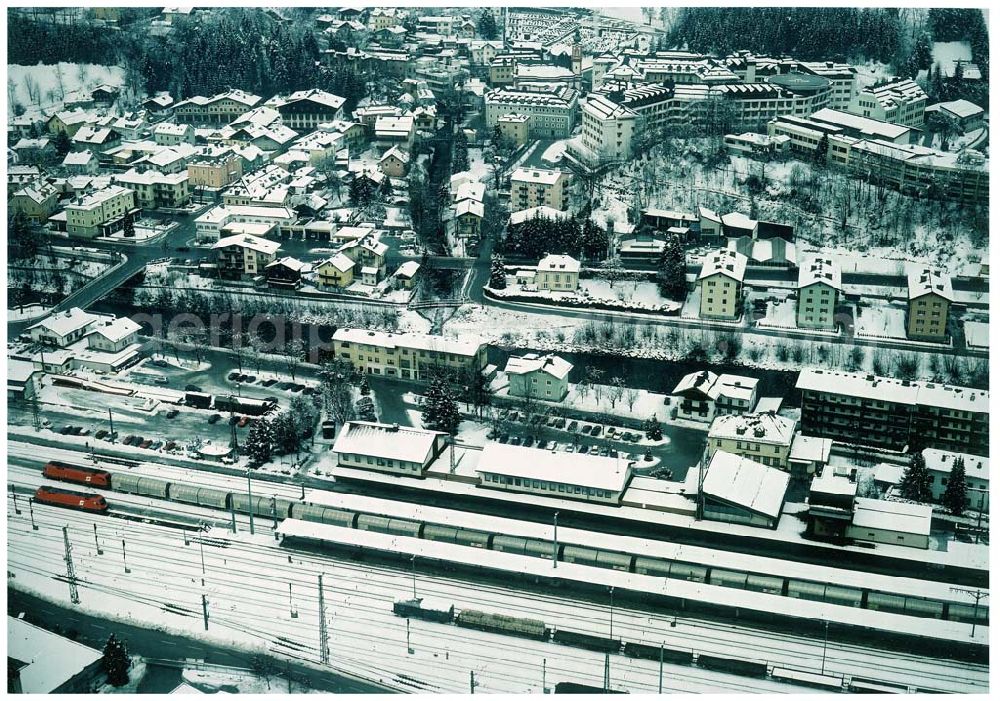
<point>393,428</point>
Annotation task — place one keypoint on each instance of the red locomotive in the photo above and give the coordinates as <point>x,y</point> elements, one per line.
<point>72,473</point>
<point>71,500</point>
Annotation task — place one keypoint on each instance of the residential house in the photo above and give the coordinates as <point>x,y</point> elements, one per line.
<point>34,151</point>
<point>721,284</point>
<point>535,187</point>
<point>218,109</point>
<point>113,335</point>
<point>37,202</point>
<point>538,377</point>
<point>161,103</point>
<point>244,255</point>
<point>285,273</point>
<point>469,217</point>
<point>558,273</point>
<point>395,162</point>
<point>395,131</point>
<point>930,297</point>
<point>69,121</point>
<point>170,134</point>
<point>215,169</point>
<point>891,523</point>
<point>223,221</point>
<point>513,129</point>
<point>80,163</point>
<point>22,383</point>
<point>99,139</point>
<point>406,275</point>
<point>818,290</point>
<point>155,190</point>
<point>368,252</point>
<point>337,271</point>
<point>764,437</point>
<point>704,395</point>
<point>896,100</point>
<point>552,108</point>
<point>967,115</point>
<point>105,94</point>
<point>739,489</point>
<point>939,464</point>
<point>410,356</point>
<point>102,212</point>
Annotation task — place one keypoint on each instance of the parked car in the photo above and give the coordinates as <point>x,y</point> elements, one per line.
<point>503,438</point>
<point>581,448</point>
<point>626,436</point>
<point>244,420</point>
<point>573,425</point>
<point>615,433</point>
<point>613,454</point>
<point>183,249</point>
<point>161,380</point>
<point>101,433</point>
<point>269,381</point>
<point>298,388</point>
<point>594,450</point>
<point>596,431</point>
<point>159,362</point>
<point>146,443</point>
<point>77,430</point>
<point>604,451</point>
<point>569,448</point>
<point>156,445</point>
<point>172,413</point>
<point>515,440</point>
<point>529,441</point>
<point>128,440</point>
<point>46,423</point>
<point>192,388</point>
<point>560,423</point>
<point>233,375</point>
<point>83,431</point>
<point>214,418</point>
<point>170,445</point>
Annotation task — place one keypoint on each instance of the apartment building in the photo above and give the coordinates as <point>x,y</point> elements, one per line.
<point>223,221</point>
<point>243,255</point>
<point>170,134</point>
<point>897,100</point>
<point>818,290</point>
<point>409,356</point>
<point>721,284</point>
<point>538,376</point>
<point>930,297</point>
<point>887,413</point>
<point>335,272</point>
<point>218,109</point>
<point>558,274</point>
<point>101,213</point>
<point>764,437</point>
<point>539,187</point>
<point>551,108</point>
<point>156,190</point>
<point>215,169</point>
<point>307,109</point>
<point>513,128</point>
<point>607,130</point>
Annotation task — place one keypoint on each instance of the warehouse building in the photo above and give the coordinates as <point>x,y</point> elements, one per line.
<point>736,489</point>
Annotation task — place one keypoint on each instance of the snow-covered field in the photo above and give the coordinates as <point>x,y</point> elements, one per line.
<point>882,320</point>
<point>945,53</point>
<point>74,76</point>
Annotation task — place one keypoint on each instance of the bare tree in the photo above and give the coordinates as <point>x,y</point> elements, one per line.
<point>631,395</point>
<point>616,390</point>
<point>31,87</point>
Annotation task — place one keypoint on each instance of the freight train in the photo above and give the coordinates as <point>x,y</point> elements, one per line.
<point>281,508</point>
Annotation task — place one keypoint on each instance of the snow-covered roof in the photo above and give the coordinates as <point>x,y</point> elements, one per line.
<point>925,281</point>
<point>247,241</point>
<point>234,95</point>
<point>558,467</point>
<point>19,371</point>
<point>557,263</point>
<point>819,269</point>
<point>896,391</point>
<point>602,108</point>
<point>706,213</point>
<point>49,660</point>
<point>532,362</point>
<point>117,329</point>
<point>470,191</point>
<point>746,483</point>
<point>470,207</point>
<point>669,214</point>
<point>63,323</point>
<point>339,261</point>
<point>394,126</point>
<point>388,441</point>
<point>171,129</point>
<point>810,449</point>
<point>736,386</point>
<point>941,461</point>
<point>724,261</point>
<point>38,191</point>
<point>834,484</point>
<point>543,212</point>
<point>738,220</point>
<point>892,516</point>
<point>899,91</point>
<point>419,341</point>
<point>318,96</point>
<point>861,125</point>
<point>703,381</point>
<point>765,427</point>
<point>397,153</point>
<point>408,269</point>
<point>959,108</point>
<point>78,158</point>
<point>293,264</point>
<point>536,175</point>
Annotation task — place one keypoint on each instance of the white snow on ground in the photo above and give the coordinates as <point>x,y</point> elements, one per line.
<point>29,311</point>
<point>597,398</point>
<point>554,153</point>
<point>882,320</point>
<point>945,53</point>
<point>630,291</point>
<point>872,72</point>
<point>479,169</point>
<point>245,681</point>
<point>780,314</point>
<point>75,76</point>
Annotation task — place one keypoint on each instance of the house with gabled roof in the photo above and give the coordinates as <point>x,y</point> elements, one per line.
<point>559,273</point>
<point>395,162</point>
<point>538,376</point>
<point>388,447</point>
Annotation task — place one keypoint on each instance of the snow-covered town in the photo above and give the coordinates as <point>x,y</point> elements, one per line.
<point>457,350</point>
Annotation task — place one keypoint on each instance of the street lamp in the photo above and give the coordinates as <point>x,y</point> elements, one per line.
<point>250,501</point>
<point>413,561</point>
<point>612,611</point>
<point>555,540</point>
<point>826,636</point>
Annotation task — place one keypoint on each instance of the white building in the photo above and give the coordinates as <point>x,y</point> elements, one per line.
<point>900,101</point>
<point>818,290</point>
<point>388,447</point>
<point>552,109</point>
<point>63,328</point>
<point>705,395</point>
<point>558,273</point>
<point>555,474</point>
<point>891,522</point>
<point>736,489</point>
<point>538,376</point>
<point>223,221</point>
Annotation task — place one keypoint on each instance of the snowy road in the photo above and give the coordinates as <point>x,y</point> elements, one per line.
<point>247,588</point>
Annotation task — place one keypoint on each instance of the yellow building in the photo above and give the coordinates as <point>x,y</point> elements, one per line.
<point>409,356</point>
<point>216,172</point>
<point>101,213</point>
<point>558,273</point>
<point>37,202</point>
<point>765,438</point>
<point>513,129</point>
<point>218,109</point>
<point>930,296</point>
<point>337,271</point>
<point>536,187</point>
<point>721,284</point>
<point>155,190</point>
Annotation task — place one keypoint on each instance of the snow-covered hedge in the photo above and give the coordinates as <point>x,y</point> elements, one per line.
<point>575,301</point>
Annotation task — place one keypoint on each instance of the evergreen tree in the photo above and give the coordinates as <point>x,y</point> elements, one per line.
<point>652,429</point>
<point>593,240</point>
<point>671,274</point>
<point>922,58</point>
<point>116,661</point>
<point>819,155</point>
<point>498,277</point>
<point>62,144</point>
<point>22,237</point>
<point>285,437</point>
<point>955,493</point>
<point>365,389</point>
<point>487,25</point>
<point>440,409</point>
<point>259,441</point>
<point>916,482</point>
<point>460,159</point>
